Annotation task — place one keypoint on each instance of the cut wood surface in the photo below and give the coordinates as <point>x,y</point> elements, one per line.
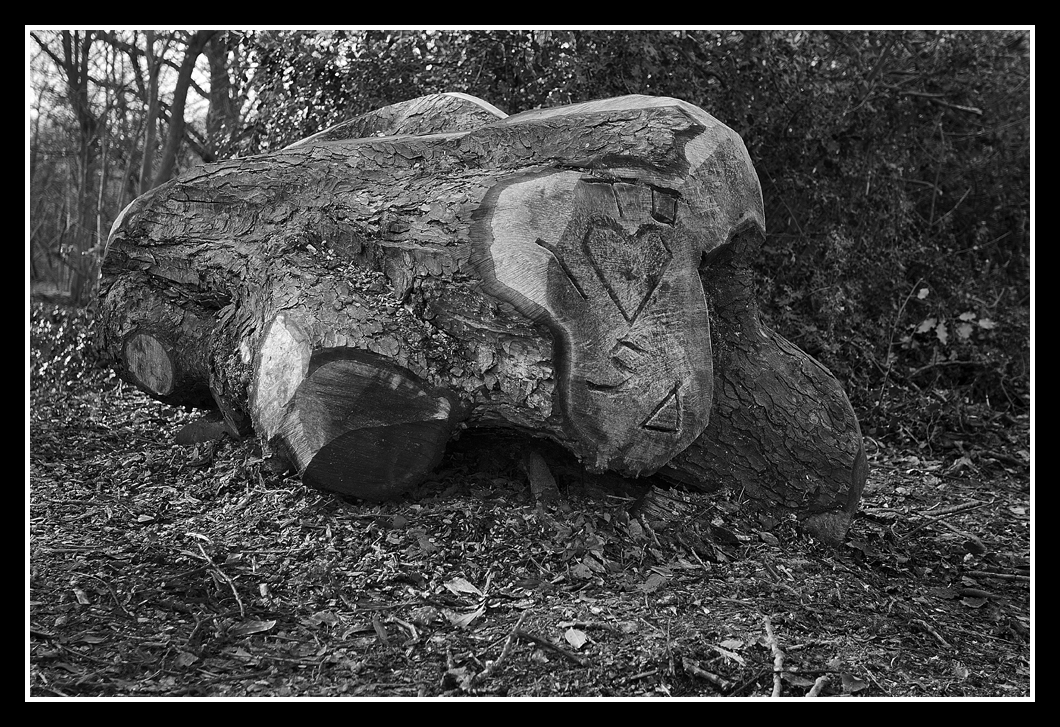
<point>579,273</point>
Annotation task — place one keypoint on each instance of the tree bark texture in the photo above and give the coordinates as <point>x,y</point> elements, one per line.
<point>580,273</point>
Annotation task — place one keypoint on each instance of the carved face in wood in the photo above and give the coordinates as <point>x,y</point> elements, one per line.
<point>610,268</point>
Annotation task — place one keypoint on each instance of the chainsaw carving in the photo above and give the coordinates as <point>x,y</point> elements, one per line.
<point>581,273</point>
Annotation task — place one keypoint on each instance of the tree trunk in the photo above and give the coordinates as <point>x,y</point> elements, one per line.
<point>151,123</point>
<point>176,111</point>
<point>580,273</point>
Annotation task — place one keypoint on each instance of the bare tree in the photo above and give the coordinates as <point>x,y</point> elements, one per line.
<point>196,44</point>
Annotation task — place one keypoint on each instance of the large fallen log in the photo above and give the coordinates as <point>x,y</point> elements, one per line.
<point>579,273</point>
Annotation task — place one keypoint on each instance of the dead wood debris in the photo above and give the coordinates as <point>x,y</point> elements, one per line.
<point>284,591</point>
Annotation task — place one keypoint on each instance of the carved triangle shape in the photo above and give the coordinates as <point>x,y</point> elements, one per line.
<point>666,417</point>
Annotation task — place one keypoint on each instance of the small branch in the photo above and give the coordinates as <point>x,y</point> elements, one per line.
<point>818,686</point>
<point>936,98</point>
<point>493,665</point>
<point>778,657</point>
<point>999,576</point>
<point>113,594</point>
<point>966,536</point>
<point>976,593</point>
<point>931,630</point>
<point>940,219</point>
<point>890,347</point>
<point>939,364</point>
<point>695,670</point>
<point>1007,459</point>
<point>954,511</point>
<point>545,643</point>
<point>217,571</point>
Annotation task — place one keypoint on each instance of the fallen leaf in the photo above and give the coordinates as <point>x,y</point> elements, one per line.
<point>852,684</point>
<point>729,654</point>
<point>463,620</point>
<point>575,637</point>
<point>942,333</point>
<point>251,627</point>
<point>796,680</point>
<point>654,582</point>
<point>186,658</point>
<point>581,571</point>
<point>460,585</point>
<point>323,617</point>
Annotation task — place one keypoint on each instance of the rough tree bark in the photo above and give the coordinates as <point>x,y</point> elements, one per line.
<point>579,273</point>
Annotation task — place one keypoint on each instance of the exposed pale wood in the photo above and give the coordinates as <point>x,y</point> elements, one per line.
<point>617,284</point>
<point>542,483</point>
<point>150,363</point>
<point>348,420</point>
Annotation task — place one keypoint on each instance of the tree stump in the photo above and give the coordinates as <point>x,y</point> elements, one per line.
<point>579,273</point>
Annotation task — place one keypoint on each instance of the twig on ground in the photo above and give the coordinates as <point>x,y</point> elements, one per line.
<point>965,506</point>
<point>691,550</point>
<point>669,649</point>
<point>579,660</point>
<point>641,675</point>
<point>494,665</point>
<point>944,515</point>
<point>931,630</point>
<point>217,571</point>
<point>695,670</point>
<point>976,593</point>
<point>974,539</point>
<point>739,688</point>
<point>999,576</point>
<point>1006,458</point>
<point>818,686</point>
<point>113,593</point>
<point>778,657</point>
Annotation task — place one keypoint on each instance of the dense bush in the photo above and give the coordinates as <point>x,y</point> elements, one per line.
<point>63,355</point>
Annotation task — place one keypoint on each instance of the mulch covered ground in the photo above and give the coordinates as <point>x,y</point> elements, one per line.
<point>161,570</point>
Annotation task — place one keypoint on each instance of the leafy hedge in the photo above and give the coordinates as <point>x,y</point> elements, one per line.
<point>63,354</point>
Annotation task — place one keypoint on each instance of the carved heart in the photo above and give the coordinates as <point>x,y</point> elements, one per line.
<point>630,267</point>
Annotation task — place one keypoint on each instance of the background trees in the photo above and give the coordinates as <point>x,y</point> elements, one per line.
<point>895,166</point>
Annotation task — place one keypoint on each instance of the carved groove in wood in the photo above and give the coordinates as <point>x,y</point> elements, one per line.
<point>608,267</point>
